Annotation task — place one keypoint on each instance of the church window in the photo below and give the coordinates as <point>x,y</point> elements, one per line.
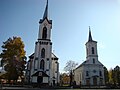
<point>42,64</point>
<point>87,73</point>
<point>44,33</point>
<point>93,52</point>
<point>87,51</point>
<point>94,71</point>
<point>43,53</point>
<point>93,61</point>
<point>35,64</point>
<point>101,81</point>
<point>36,58</point>
<point>100,73</point>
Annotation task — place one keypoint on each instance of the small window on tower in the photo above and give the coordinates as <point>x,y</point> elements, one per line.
<point>43,53</point>
<point>42,64</point>
<point>93,61</point>
<point>93,52</point>
<point>35,65</point>
<point>100,73</point>
<point>44,33</point>
<point>87,73</point>
<point>87,51</point>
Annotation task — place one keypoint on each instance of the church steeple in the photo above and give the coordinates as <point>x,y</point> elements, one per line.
<point>91,47</point>
<point>46,11</point>
<point>45,15</point>
<point>90,36</point>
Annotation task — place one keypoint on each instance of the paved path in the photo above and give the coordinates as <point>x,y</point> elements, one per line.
<point>14,88</point>
<point>23,88</point>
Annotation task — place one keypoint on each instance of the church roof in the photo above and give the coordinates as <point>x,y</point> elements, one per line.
<point>87,63</point>
<point>40,73</point>
<point>31,56</point>
<point>54,56</point>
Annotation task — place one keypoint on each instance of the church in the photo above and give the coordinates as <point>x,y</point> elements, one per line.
<point>43,65</point>
<point>91,71</point>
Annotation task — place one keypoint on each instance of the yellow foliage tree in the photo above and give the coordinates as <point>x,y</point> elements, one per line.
<point>13,58</point>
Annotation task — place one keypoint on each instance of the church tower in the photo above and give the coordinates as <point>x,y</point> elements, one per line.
<point>91,71</point>
<point>91,48</point>
<point>43,66</point>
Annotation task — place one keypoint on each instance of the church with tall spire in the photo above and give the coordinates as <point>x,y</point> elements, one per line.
<point>91,71</point>
<point>43,65</point>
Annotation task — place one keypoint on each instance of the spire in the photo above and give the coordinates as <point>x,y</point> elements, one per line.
<point>46,11</point>
<point>90,36</point>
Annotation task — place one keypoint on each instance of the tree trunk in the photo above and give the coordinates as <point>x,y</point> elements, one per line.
<point>71,78</point>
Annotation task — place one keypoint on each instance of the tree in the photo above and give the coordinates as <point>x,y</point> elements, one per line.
<point>111,76</point>
<point>70,66</point>
<point>64,79</point>
<point>13,58</point>
<point>106,75</point>
<point>117,75</point>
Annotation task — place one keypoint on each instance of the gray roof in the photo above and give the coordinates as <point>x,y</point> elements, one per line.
<point>85,63</point>
<point>54,56</point>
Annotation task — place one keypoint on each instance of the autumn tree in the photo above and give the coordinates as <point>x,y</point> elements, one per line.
<point>70,66</point>
<point>64,79</point>
<point>111,76</point>
<point>13,58</point>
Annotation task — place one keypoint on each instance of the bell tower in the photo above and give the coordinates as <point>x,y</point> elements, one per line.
<point>45,26</point>
<point>91,48</point>
<point>43,50</point>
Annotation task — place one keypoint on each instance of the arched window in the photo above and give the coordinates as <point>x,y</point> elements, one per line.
<point>42,64</point>
<point>87,73</point>
<point>93,61</point>
<point>87,51</point>
<point>93,52</point>
<point>35,64</point>
<point>44,33</point>
<point>100,72</point>
<point>43,53</point>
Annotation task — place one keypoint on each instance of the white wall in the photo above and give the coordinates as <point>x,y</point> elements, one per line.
<point>45,79</point>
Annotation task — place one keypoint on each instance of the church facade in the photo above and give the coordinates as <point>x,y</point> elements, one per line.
<point>43,65</point>
<point>91,71</point>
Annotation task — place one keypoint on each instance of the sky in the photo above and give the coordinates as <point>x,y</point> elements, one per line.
<point>71,21</point>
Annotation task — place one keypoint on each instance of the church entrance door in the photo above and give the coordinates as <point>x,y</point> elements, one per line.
<point>40,79</point>
<point>53,82</point>
<point>87,81</point>
<point>94,80</point>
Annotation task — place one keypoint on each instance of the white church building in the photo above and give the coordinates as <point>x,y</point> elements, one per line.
<point>43,65</point>
<point>91,71</point>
